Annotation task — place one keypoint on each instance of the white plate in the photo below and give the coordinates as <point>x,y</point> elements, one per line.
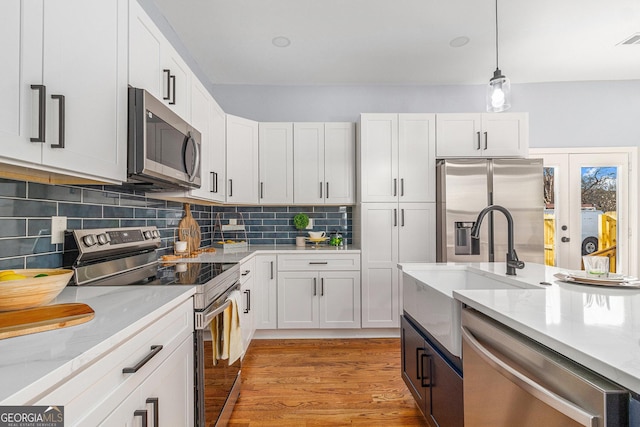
<point>613,280</point>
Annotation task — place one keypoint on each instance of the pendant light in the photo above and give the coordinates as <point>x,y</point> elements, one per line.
<point>499,88</point>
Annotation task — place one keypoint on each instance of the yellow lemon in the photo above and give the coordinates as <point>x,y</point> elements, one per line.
<point>12,276</point>
<point>6,272</point>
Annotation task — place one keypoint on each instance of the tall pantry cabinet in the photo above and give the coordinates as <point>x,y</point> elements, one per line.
<point>396,213</point>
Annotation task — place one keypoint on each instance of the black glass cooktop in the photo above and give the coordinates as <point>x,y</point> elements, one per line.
<point>188,273</point>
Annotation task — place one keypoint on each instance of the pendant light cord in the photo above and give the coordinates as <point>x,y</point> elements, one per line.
<point>497,66</point>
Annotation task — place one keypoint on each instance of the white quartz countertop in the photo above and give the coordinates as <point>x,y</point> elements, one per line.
<point>598,327</point>
<point>32,363</point>
<point>221,256</point>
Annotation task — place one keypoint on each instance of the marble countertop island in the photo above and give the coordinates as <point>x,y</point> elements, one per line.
<point>597,327</point>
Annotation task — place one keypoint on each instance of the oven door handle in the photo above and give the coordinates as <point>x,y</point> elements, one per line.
<point>208,317</point>
<point>538,391</point>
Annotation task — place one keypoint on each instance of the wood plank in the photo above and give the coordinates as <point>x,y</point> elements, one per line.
<point>45,318</point>
<point>320,382</point>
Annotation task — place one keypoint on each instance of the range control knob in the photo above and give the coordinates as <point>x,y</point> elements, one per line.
<point>89,240</point>
<point>147,234</point>
<point>103,239</point>
<point>156,234</point>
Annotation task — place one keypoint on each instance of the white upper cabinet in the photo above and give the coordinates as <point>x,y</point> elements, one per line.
<point>397,157</point>
<point>75,52</point>
<point>201,119</point>
<point>323,165</point>
<point>218,158</point>
<point>242,160</point>
<point>154,65</point>
<point>275,148</point>
<point>482,135</point>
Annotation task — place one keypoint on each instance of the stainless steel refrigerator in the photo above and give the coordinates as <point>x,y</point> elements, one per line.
<point>466,186</point>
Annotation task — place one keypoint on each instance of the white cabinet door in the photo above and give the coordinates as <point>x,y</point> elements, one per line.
<point>201,119</point>
<point>308,163</point>
<point>242,160</point>
<point>266,291</point>
<point>167,393</point>
<point>380,285</point>
<point>339,299</point>
<point>218,158</point>
<point>378,157</point>
<point>145,52</point>
<point>416,234</point>
<point>247,317</point>
<point>482,135</point>
<point>154,65</point>
<point>297,299</point>
<point>339,163</point>
<point>416,157</point>
<point>85,61</point>
<point>275,150</point>
<point>21,29</point>
<point>458,135</point>
<point>505,135</point>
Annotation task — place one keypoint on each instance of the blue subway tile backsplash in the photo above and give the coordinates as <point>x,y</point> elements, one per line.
<point>26,209</point>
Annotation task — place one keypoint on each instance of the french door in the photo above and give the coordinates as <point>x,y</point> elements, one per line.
<point>589,200</point>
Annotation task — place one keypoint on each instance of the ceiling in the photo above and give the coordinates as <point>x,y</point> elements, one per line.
<point>407,42</point>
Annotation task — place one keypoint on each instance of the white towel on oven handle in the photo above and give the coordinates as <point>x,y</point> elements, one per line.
<point>232,345</point>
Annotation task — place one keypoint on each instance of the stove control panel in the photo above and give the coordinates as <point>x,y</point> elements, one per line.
<point>111,241</point>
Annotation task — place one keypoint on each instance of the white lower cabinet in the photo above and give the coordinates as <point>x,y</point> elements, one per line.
<point>266,291</point>
<point>309,300</point>
<point>155,362</point>
<point>391,233</point>
<point>318,291</point>
<point>247,316</point>
<point>166,396</point>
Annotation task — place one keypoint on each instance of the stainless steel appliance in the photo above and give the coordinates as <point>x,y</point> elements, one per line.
<point>510,380</point>
<point>467,186</point>
<point>127,256</point>
<point>163,149</point>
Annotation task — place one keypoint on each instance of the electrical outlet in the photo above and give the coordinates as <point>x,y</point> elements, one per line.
<point>58,225</point>
<point>310,226</point>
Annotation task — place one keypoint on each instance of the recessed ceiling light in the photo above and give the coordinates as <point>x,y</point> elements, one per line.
<point>281,41</point>
<point>459,41</point>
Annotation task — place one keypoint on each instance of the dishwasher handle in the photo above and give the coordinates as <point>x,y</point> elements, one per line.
<point>560,404</point>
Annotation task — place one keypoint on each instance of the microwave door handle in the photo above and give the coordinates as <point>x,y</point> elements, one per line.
<point>536,390</point>
<point>194,169</point>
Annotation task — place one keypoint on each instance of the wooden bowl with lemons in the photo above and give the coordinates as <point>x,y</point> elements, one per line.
<point>32,287</point>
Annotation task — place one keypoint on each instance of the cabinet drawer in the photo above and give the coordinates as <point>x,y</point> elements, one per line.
<point>103,385</point>
<point>247,270</point>
<point>318,262</point>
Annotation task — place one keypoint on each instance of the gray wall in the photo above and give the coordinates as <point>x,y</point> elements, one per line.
<point>573,114</point>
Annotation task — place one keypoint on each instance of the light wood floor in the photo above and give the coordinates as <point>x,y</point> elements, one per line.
<point>333,382</point>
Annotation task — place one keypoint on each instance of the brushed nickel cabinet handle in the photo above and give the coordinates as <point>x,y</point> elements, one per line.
<point>327,195</point>
<point>321,190</point>
<point>167,74</point>
<point>61,121</point>
<point>155,349</point>
<point>486,140</point>
<point>395,186</point>
<point>173,90</point>
<point>315,281</point>
<point>42,111</point>
<point>395,217</point>
<point>401,186</point>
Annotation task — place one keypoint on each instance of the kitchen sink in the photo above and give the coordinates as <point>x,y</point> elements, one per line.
<point>428,299</point>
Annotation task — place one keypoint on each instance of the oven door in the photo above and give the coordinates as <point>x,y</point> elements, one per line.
<point>217,382</point>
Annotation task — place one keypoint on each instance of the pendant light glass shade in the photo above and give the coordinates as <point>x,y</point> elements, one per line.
<point>499,89</point>
<point>498,93</point>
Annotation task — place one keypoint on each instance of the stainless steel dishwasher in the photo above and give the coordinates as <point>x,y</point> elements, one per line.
<point>511,380</point>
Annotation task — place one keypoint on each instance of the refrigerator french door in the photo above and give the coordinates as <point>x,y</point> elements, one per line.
<point>466,186</point>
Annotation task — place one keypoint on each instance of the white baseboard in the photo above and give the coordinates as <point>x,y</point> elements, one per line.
<point>326,333</point>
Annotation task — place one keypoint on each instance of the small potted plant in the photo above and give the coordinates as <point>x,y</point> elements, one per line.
<point>300,221</point>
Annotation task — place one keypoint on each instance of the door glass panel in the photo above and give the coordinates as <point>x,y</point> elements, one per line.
<point>599,207</point>
<point>550,217</point>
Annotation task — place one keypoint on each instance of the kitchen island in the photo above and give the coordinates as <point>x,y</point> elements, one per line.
<point>597,327</point>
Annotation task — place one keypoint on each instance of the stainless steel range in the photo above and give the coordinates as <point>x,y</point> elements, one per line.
<point>128,256</point>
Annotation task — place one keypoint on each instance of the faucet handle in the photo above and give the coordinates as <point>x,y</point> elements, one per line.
<point>513,261</point>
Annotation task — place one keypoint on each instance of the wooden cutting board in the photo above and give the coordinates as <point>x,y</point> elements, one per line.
<point>45,318</point>
<point>189,230</point>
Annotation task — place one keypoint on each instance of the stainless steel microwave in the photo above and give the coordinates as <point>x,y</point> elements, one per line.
<point>163,149</point>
